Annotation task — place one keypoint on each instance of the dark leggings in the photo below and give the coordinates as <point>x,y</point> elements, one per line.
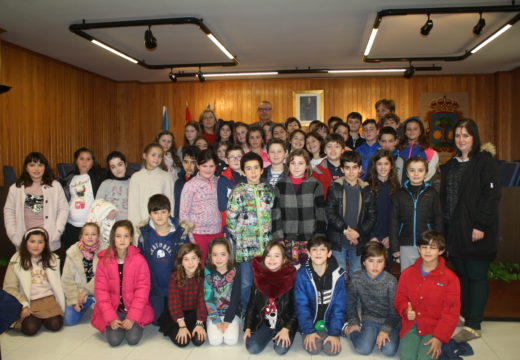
<point>31,324</point>
<point>190,318</point>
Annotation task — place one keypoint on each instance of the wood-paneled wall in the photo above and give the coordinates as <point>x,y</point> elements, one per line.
<point>52,107</point>
<point>56,108</point>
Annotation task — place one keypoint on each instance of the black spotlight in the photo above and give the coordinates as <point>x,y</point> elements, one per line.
<point>149,40</point>
<point>427,27</point>
<point>477,29</point>
<point>201,77</point>
<point>409,72</point>
<point>172,76</point>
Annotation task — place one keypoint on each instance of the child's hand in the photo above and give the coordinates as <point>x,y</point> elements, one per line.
<point>115,324</point>
<point>335,344</point>
<point>435,347</point>
<point>382,339</point>
<point>247,334</point>
<point>25,313</point>
<point>127,324</point>
<point>282,337</point>
<point>352,236</point>
<point>386,242</point>
<point>199,332</point>
<point>183,336</point>
<point>78,307</point>
<point>410,314</point>
<point>374,239</point>
<point>477,235</point>
<point>310,342</point>
<point>396,255</point>
<point>81,297</point>
<point>351,328</point>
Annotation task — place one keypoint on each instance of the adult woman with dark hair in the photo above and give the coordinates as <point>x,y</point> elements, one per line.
<point>470,195</point>
<point>36,200</point>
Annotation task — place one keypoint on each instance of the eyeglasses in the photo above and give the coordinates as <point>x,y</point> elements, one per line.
<point>235,158</point>
<point>265,109</point>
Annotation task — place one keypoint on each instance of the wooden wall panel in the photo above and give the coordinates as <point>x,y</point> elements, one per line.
<point>52,107</point>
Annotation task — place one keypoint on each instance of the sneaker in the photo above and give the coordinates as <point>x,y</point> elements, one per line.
<point>467,334</point>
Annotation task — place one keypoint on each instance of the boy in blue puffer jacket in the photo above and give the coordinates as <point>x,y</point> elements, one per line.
<point>159,241</point>
<point>320,293</point>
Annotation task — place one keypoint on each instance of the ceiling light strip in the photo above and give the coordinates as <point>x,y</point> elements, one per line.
<point>364,71</point>
<point>114,51</point>
<point>491,38</point>
<point>371,41</point>
<point>242,74</point>
<point>220,46</point>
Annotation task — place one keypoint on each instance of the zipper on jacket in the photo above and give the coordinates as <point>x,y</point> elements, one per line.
<point>415,200</point>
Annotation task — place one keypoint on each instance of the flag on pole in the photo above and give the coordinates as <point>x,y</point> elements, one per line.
<point>165,122</point>
<point>188,115</point>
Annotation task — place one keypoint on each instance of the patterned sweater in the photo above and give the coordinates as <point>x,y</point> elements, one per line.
<point>199,205</point>
<point>375,296</point>
<point>249,219</point>
<point>222,294</point>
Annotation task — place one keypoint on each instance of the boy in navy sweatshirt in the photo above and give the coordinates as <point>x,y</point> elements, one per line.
<point>159,240</point>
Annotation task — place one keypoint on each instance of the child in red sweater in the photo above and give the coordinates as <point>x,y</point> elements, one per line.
<point>428,300</point>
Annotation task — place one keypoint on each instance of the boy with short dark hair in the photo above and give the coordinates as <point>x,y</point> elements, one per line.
<point>391,119</point>
<point>369,148</point>
<point>351,213</point>
<point>388,140</point>
<point>159,241</point>
<point>229,178</point>
<point>189,165</point>
<point>321,298</point>
<point>372,290</point>
<point>277,153</point>
<point>249,220</point>
<point>330,168</point>
<point>354,120</point>
<point>428,301</point>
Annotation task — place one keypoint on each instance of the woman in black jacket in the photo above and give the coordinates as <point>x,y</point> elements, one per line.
<point>270,312</point>
<point>470,196</point>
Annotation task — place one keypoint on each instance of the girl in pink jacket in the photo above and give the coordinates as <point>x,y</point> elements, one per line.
<point>122,288</point>
<point>199,203</point>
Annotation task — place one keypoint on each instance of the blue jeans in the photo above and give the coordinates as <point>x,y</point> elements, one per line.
<point>348,253</point>
<point>258,340</point>
<point>365,339</point>
<point>72,317</point>
<point>246,273</point>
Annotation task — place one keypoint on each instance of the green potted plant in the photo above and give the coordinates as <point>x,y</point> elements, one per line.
<point>504,291</point>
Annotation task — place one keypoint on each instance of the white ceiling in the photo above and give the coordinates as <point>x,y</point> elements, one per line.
<point>262,34</point>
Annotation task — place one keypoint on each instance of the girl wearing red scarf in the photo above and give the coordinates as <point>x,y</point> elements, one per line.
<point>270,313</point>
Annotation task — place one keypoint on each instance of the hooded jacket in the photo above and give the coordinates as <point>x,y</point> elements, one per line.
<point>412,215</point>
<point>335,209</point>
<point>477,207</point>
<point>136,288</point>
<point>306,296</point>
<point>271,284</point>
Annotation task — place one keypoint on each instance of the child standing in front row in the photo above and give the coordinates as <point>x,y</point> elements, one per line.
<point>428,301</point>
<point>78,273</point>
<point>372,290</point>
<point>199,203</point>
<point>160,240</point>
<point>33,278</point>
<point>121,288</point>
<point>186,316</point>
<point>270,313</point>
<point>321,297</point>
<point>150,180</point>
<point>416,207</point>
<point>222,294</point>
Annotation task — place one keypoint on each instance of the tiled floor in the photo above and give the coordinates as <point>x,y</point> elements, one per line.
<point>83,342</point>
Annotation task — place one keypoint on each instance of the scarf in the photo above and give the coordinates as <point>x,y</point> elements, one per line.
<point>88,251</point>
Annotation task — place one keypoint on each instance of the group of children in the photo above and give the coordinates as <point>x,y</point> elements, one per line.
<point>261,229</point>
